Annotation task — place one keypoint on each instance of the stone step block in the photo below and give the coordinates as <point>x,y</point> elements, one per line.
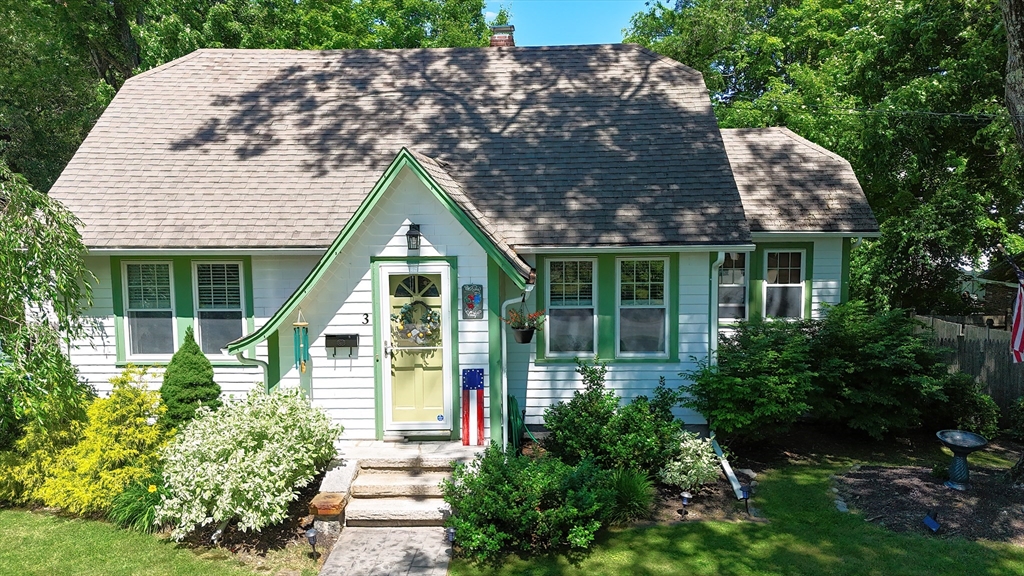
<point>388,483</point>
<point>435,463</point>
<point>391,512</point>
<point>328,504</point>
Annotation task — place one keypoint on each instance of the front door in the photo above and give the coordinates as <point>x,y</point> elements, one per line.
<point>417,384</point>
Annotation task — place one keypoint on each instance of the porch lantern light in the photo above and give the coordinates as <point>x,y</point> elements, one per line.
<point>412,237</point>
<point>311,535</point>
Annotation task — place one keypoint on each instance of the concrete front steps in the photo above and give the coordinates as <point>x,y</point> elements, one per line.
<point>394,492</point>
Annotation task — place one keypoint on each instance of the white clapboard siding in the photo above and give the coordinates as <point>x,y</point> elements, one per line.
<point>537,386</point>
<point>828,272</point>
<point>345,386</point>
<point>95,356</point>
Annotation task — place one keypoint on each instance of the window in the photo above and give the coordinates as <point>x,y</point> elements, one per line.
<point>218,296</point>
<point>642,308</point>
<point>149,308</point>
<point>572,325</point>
<point>732,287</point>
<point>784,286</point>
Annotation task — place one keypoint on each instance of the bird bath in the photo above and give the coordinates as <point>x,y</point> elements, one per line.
<point>962,443</point>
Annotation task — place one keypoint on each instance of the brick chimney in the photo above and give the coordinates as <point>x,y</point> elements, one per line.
<point>502,36</point>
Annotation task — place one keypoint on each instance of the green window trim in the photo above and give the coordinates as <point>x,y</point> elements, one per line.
<point>182,301</point>
<point>758,263</point>
<point>606,303</point>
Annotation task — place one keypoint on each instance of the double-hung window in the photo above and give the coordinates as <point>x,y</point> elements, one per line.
<point>572,319</point>
<point>732,287</point>
<point>642,308</point>
<point>218,297</point>
<point>149,308</point>
<point>784,285</point>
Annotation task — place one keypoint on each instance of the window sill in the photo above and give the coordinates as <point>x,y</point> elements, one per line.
<point>609,361</point>
<point>162,363</point>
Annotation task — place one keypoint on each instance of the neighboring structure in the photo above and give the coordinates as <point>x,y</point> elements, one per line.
<point>363,201</point>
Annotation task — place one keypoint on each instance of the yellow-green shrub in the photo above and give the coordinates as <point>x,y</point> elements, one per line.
<point>25,468</point>
<point>120,445</point>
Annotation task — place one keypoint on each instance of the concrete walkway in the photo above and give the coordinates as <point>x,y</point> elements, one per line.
<point>389,552</point>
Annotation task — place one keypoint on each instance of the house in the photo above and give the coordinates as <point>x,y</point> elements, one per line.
<point>357,222</point>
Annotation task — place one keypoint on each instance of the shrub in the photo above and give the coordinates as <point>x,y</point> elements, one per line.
<point>245,460</point>
<point>135,508</point>
<point>634,496</point>
<point>120,445</point>
<point>964,406</point>
<point>592,426</point>
<point>1016,419</point>
<point>761,383</point>
<point>873,372</point>
<point>506,504</point>
<point>39,387</point>
<point>579,428</point>
<point>188,384</point>
<point>696,465</point>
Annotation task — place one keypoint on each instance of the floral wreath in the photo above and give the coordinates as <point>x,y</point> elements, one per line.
<point>425,332</point>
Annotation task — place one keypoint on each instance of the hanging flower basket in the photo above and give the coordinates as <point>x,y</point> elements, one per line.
<point>523,335</point>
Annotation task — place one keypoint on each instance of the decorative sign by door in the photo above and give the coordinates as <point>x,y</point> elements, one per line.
<point>472,301</point>
<point>473,407</point>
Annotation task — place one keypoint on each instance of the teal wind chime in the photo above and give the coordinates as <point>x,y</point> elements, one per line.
<point>301,343</point>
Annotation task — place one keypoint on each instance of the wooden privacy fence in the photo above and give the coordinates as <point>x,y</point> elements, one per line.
<point>983,353</point>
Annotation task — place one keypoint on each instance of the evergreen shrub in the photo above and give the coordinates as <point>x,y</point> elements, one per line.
<point>505,504</point>
<point>761,383</point>
<point>120,446</point>
<point>640,435</point>
<point>188,384</point>
<point>245,461</point>
<point>1015,419</point>
<point>965,406</point>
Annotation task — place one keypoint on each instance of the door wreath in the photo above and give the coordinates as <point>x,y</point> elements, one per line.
<point>419,323</point>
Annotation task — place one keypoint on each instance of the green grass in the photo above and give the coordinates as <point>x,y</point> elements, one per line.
<point>804,535</point>
<point>42,544</point>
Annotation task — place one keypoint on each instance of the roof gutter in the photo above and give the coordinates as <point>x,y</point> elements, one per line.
<point>635,249</point>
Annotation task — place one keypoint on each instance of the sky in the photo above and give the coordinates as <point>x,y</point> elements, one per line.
<point>556,22</point>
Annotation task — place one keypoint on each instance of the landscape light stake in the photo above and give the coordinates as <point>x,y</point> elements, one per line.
<point>745,490</point>
<point>311,536</point>
<point>449,535</point>
<point>686,496</point>
<point>931,520</point>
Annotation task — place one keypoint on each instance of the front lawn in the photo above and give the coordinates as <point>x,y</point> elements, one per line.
<point>804,535</point>
<point>46,545</point>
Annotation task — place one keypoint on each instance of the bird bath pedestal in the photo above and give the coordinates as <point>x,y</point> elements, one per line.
<point>962,443</point>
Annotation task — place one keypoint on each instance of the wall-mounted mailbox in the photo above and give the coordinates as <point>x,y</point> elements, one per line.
<point>342,340</point>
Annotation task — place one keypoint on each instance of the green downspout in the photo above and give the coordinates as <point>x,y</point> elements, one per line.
<point>254,362</point>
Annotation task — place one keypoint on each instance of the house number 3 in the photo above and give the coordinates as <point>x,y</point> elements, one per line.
<point>366,318</point>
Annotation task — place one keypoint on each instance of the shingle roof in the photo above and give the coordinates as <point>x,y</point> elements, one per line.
<point>574,146</point>
<point>789,184</point>
<point>455,191</point>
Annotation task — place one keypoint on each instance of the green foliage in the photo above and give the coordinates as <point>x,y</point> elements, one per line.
<point>874,372</point>
<point>1016,420</point>
<point>135,508</point>
<point>503,504</point>
<point>696,465</point>
<point>761,383</point>
<point>245,461</point>
<point>120,445</point>
<point>41,258</point>
<point>579,428</point>
<point>188,384</point>
<point>911,93</point>
<point>592,426</point>
<point>634,496</point>
<point>39,387</point>
<point>965,406</point>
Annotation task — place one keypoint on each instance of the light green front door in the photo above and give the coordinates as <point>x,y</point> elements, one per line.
<point>416,376</point>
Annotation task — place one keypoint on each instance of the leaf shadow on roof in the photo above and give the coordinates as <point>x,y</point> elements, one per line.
<point>578,146</point>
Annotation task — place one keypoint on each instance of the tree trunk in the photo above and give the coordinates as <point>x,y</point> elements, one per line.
<point>1013,20</point>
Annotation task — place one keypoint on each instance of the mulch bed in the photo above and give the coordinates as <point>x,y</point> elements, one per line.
<point>899,497</point>
<point>713,502</point>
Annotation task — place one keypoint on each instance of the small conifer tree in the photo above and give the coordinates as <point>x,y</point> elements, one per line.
<point>188,384</point>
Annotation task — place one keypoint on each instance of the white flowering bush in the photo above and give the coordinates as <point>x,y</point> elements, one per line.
<point>696,465</point>
<point>244,461</point>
